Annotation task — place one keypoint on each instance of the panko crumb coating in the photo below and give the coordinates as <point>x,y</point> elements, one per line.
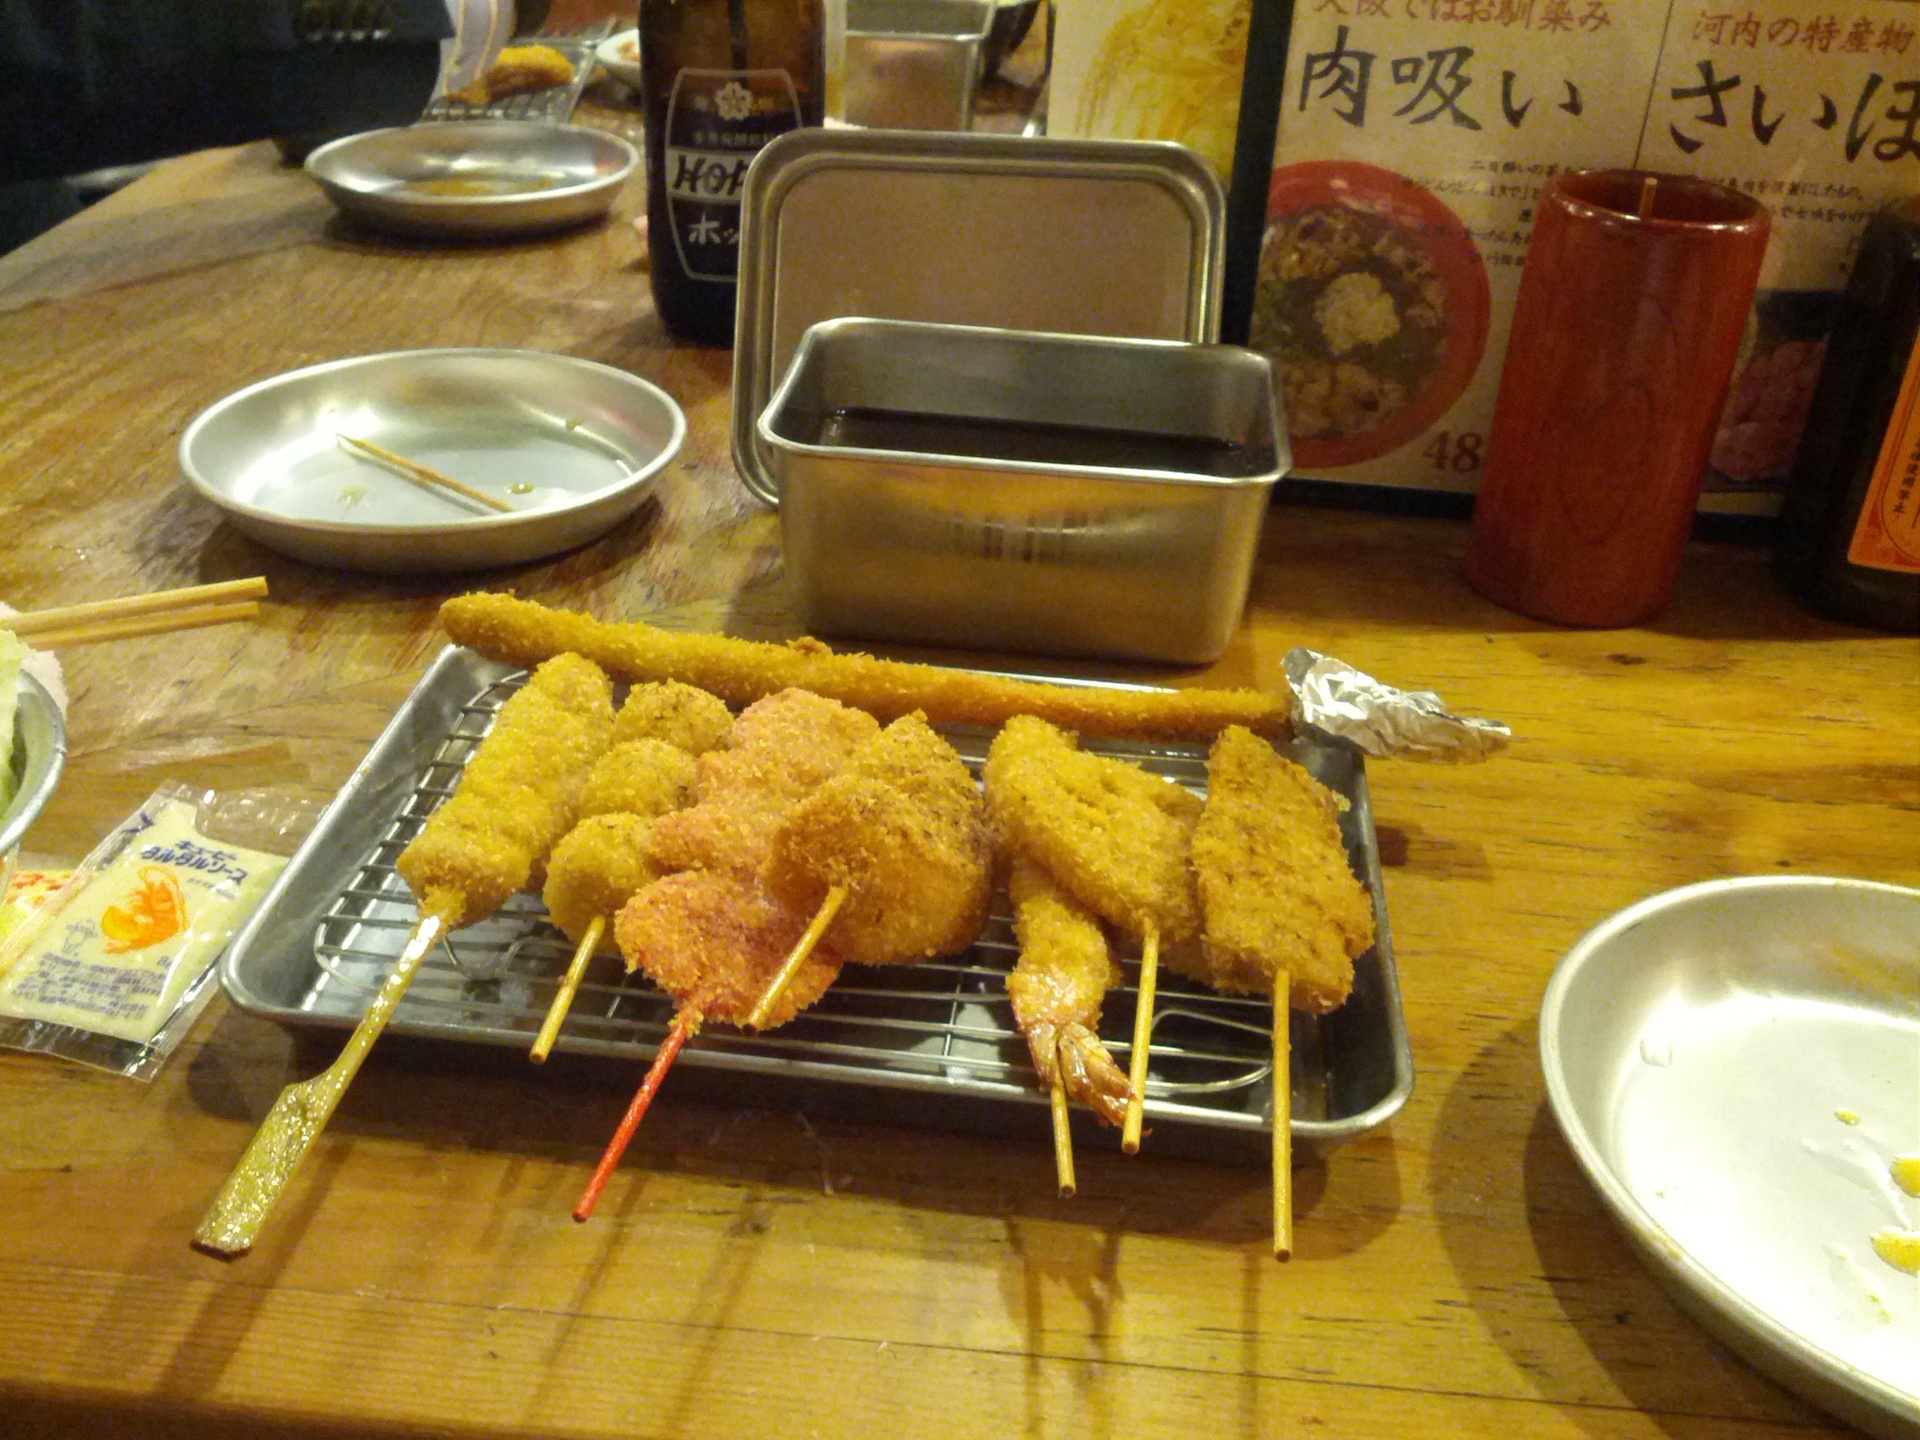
<point>1274,881</point>
<point>778,750</point>
<point>1113,835</point>
<point>903,827</point>
<point>1064,972</point>
<point>714,942</point>
<point>640,777</point>
<point>684,716</point>
<point>519,793</point>
<point>597,866</point>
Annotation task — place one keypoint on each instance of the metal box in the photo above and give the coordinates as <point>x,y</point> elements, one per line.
<point>1019,491</point>
<point>915,64</point>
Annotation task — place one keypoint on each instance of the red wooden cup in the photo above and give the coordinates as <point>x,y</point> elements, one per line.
<point>1631,307</point>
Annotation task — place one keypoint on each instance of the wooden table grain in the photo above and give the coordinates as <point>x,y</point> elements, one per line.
<point>765,1272</point>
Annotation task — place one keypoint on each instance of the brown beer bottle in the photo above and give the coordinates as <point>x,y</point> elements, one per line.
<point>1848,543</point>
<point>719,79</point>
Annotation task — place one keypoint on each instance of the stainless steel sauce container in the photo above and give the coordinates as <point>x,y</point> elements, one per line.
<point>1080,554</point>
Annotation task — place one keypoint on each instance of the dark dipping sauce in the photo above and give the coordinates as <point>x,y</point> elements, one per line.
<point>1036,443</point>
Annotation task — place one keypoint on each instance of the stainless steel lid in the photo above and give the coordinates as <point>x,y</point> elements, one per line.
<point>1084,237</point>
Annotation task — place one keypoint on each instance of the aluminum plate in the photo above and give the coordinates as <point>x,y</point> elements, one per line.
<point>938,1036</point>
<point>571,444</point>
<point>1737,1065</point>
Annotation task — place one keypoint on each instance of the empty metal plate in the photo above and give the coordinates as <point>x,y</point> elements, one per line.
<point>472,179</point>
<point>570,444</point>
<point>1737,1067</point>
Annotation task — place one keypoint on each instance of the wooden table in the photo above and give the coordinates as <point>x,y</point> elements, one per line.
<point>762,1273</point>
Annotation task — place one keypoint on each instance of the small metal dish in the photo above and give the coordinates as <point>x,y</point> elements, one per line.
<point>39,754</point>
<point>619,56</point>
<point>1734,1066</point>
<point>572,445</point>
<point>475,179</point>
<point>1011,490</point>
<point>915,64</point>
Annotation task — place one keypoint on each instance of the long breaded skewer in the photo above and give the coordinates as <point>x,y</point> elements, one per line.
<point>742,671</point>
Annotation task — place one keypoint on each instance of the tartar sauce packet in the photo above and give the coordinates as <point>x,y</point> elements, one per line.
<point>112,968</point>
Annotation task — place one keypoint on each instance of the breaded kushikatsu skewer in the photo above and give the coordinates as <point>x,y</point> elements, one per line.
<point>516,797</point>
<point>742,671</point>
<point>1113,837</point>
<point>713,935</point>
<point>894,853</point>
<point>605,859</point>
<point>1284,915</point>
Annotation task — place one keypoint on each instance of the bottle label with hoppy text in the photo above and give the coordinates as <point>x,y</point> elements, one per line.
<point>717,121</point>
<point>1887,534</point>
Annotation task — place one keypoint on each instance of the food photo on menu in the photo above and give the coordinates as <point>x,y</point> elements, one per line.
<point>1132,718</point>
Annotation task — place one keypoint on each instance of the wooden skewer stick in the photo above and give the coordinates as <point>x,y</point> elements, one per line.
<point>802,948</point>
<point>424,474</point>
<point>1646,197</point>
<point>569,987</point>
<point>1282,1117</point>
<point>196,618</point>
<point>683,1026</point>
<point>233,1221</point>
<point>1142,1039</point>
<point>66,617</point>
<point>1062,1135</point>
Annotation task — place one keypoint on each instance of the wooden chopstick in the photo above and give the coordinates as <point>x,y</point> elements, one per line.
<point>67,617</point>
<point>194,618</point>
<point>414,470</point>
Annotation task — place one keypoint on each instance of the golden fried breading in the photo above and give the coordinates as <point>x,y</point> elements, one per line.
<point>520,68</point>
<point>742,671</point>
<point>1274,881</point>
<point>686,718</point>
<point>641,777</point>
<point>777,752</point>
<point>904,829</point>
<point>518,794</point>
<point>596,868</point>
<point>714,942</point>
<point>1114,836</point>
<point>1064,971</point>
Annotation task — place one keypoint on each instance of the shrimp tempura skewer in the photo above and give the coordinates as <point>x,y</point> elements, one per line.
<point>892,855</point>
<point>1284,914</point>
<point>1111,835</point>
<point>604,859</point>
<point>1064,970</point>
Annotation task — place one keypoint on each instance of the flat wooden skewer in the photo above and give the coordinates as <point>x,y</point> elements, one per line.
<point>802,948</point>
<point>683,1026</point>
<point>163,622</point>
<point>233,1221</point>
<point>189,597</point>
<point>1062,1135</point>
<point>424,474</point>
<point>569,986</point>
<point>1282,1117</point>
<point>1142,1039</point>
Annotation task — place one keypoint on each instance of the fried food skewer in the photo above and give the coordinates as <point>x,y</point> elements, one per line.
<point>516,797</point>
<point>900,838</point>
<point>742,671</point>
<point>1284,915</point>
<point>1114,839</point>
<point>650,771</point>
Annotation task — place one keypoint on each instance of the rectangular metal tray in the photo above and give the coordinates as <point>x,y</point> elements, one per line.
<point>938,1034</point>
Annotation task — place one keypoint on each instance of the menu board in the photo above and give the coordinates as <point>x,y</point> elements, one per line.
<point>1415,137</point>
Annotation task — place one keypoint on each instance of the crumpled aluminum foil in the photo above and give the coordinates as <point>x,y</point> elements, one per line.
<point>1337,703</point>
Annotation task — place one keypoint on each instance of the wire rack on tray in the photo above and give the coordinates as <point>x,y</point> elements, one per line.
<point>944,1023</point>
<point>553,103</point>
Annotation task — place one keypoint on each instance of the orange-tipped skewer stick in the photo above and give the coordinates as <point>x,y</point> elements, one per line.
<point>683,1026</point>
